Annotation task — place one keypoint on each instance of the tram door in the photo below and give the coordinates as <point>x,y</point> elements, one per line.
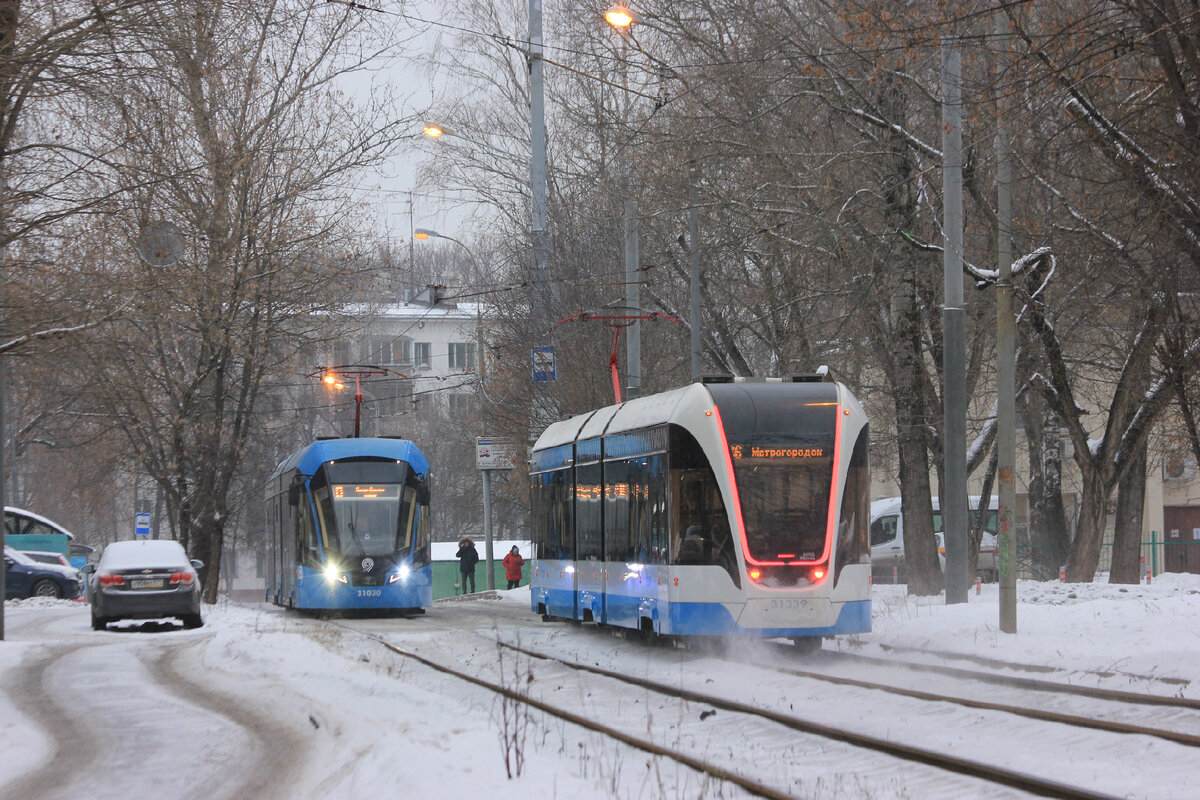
<point>589,541</point>
<point>289,525</point>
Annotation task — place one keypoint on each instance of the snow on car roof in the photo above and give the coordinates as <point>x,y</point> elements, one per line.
<point>17,556</point>
<point>149,552</point>
<point>20,557</point>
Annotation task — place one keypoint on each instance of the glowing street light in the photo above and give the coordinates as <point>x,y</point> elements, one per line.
<point>433,130</point>
<point>619,17</point>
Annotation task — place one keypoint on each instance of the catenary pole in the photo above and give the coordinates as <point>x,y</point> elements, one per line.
<point>1006,347</point>
<point>541,413</point>
<point>487,528</point>
<point>954,332</point>
<point>694,261</point>
<point>633,300</point>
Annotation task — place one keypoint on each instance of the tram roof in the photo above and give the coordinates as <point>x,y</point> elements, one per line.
<point>639,412</point>
<point>308,459</point>
<point>658,408</point>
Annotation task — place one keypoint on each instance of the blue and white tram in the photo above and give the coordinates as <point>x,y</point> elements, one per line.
<point>348,527</point>
<point>728,508</point>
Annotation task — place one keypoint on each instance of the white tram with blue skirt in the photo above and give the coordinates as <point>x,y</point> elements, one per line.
<point>724,508</point>
<point>348,527</point>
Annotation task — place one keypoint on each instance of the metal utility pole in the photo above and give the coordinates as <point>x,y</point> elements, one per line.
<point>633,300</point>
<point>954,332</point>
<point>694,259</point>
<point>489,556</point>
<point>542,313</point>
<point>3,516</point>
<point>1006,355</point>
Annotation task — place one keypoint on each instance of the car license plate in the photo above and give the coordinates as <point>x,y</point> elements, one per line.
<point>147,583</point>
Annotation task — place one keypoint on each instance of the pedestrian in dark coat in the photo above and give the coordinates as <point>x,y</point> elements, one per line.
<point>467,557</point>
<point>512,567</point>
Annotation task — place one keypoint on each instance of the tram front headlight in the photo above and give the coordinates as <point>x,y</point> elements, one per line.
<point>334,574</point>
<point>400,574</point>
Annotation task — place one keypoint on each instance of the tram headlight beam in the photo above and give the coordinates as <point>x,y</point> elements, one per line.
<point>334,574</point>
<point>401,574</point>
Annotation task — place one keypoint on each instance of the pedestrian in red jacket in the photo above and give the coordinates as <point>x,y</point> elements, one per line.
<point>512,567</point>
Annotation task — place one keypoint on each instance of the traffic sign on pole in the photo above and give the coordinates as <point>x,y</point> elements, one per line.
<point>141,525</point>
<point>543,364</point>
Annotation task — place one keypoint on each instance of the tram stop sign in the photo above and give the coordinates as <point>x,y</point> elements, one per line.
<point>544,364</point>
<point>141,524</point>
<point>494,453</point>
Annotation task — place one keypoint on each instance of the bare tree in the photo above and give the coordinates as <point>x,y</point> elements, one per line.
<point>235,122</point>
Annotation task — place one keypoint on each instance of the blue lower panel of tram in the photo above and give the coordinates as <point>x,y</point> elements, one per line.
<point>314,590</point>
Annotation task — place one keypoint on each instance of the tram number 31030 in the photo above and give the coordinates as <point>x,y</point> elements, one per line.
<point>370,592</point>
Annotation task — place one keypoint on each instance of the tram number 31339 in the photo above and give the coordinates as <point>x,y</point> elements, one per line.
<point>789,602</point>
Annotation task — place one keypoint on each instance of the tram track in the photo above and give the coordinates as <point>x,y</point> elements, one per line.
<point>969,768</point>
<point>1187,739</point>
<point>996,663</point>
<point>701,765</point>
<point>1014,681</point>
<point>972,768</point>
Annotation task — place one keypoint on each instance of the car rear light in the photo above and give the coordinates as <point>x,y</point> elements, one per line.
<point>183,577</point>
<point>108,579</point>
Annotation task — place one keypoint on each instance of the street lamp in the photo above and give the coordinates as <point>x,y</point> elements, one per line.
<point>619,17</point>
<point>436,130</point>
<point>486,474</point>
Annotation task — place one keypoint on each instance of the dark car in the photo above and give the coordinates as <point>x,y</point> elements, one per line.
<point>144,579</point>
<point>24,577</point>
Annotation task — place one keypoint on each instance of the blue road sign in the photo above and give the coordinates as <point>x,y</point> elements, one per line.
<point>141,524</point>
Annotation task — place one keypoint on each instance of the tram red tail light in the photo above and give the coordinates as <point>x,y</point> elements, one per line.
<point>755,574</point>
<point>108,579</point>
<point>818,574</point>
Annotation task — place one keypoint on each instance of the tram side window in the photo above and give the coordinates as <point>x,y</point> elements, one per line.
<point>408,519</point>
<point>421,550</point>
<point>551,516</point>
<point>853,539</point>
<point>656,531</point>
<point>325,518</point>
<point>648,509</point>
<point>618,538</point>
<point>589,531</point>
<point>701,527</point>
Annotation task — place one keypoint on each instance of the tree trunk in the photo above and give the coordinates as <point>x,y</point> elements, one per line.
<point>1127,539</point>
<point>979,516</point>
<point>920,551</point>
<point>1049,532</point>
<point>1089,530</point>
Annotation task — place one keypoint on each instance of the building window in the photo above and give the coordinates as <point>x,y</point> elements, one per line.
<point>462,355</point>
<point>422,352</point>
<point>461,405</point>
<point>383,350</point>
<point>394,396</point>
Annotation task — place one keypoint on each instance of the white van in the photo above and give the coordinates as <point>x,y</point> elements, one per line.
<point>887,538</point>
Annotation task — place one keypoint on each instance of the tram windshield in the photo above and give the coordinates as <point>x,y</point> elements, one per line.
<point>781,445</point>
<point>363,517</point>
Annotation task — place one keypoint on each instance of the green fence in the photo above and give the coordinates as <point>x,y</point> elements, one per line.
<point>446,577</point>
